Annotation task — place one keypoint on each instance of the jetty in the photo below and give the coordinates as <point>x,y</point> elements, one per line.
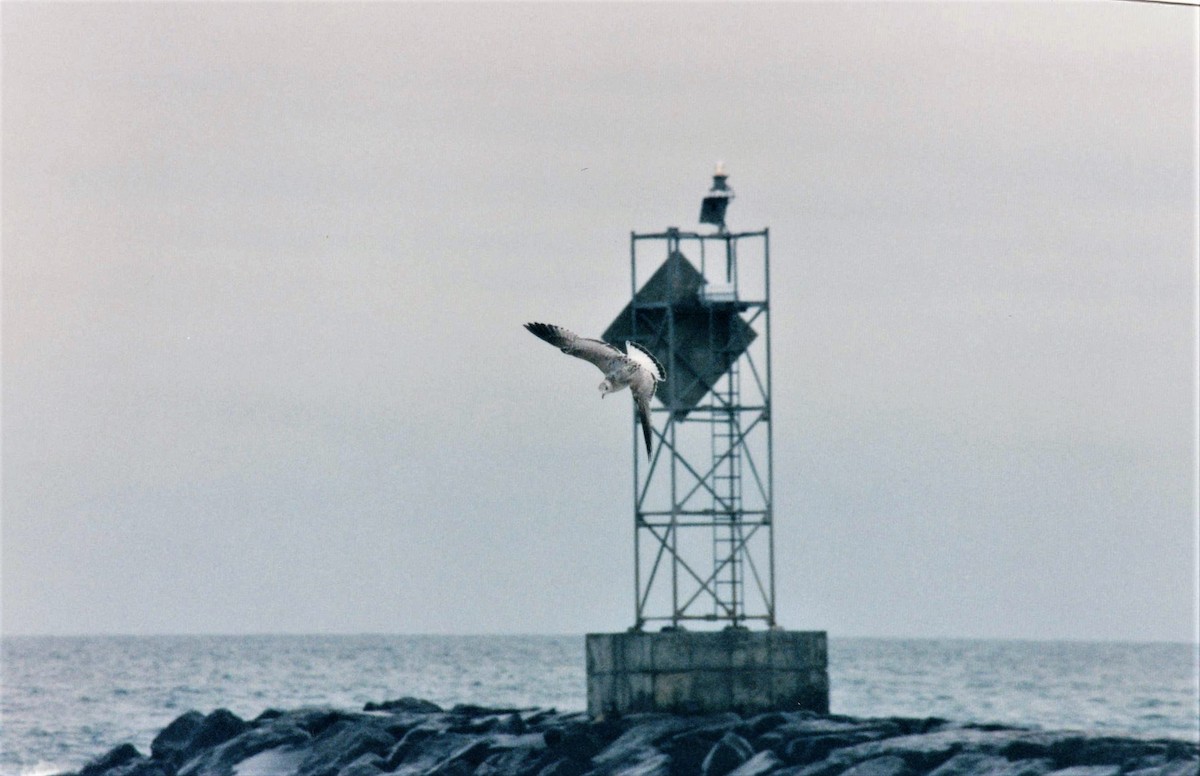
<point>413,737</point>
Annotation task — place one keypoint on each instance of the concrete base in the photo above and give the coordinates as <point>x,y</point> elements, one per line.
<point>683,672</point>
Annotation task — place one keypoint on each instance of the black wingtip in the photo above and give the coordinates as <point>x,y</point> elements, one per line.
<point>543,331</point>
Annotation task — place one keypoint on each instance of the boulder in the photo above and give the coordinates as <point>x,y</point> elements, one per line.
<point>1186,767</point>
<point>687,752</point>
<point>641,732</point>
<point>979,764</point>
<point>409,737</point>
<point>761,763</point>
<point>423,749</point>
<point>525,759</point>
<point>275,733</point>
<point>344,742</point>
<point>727,754</point>
<point>888,765</point>
<point>576,742</point>
<point>117,757</point>
<point>367,765</point>
<point>173,739</point>
<point>217,728</point>
<point>563,768</point>
<point>1089,770</point>
<point>413,705</point>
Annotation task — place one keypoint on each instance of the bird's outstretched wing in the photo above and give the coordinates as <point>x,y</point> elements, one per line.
<point>645,359</point>
<point>597,352</point>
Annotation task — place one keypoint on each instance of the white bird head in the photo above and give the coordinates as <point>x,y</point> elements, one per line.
<point>606,388</point>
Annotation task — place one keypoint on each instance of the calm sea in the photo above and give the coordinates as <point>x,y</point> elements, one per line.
<point>66,700</point>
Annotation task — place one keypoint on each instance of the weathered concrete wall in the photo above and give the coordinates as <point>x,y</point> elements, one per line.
<point>684,672</point>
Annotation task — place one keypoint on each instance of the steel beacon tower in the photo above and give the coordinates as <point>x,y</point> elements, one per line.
<point>703,503</point>
<point>704,537</point>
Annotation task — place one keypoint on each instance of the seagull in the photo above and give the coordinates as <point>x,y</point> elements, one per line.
<point>636,368</point>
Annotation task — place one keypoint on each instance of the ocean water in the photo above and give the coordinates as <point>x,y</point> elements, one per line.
<point>65,700</point>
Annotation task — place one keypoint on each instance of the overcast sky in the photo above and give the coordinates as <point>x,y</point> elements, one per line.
<point>265,269</point>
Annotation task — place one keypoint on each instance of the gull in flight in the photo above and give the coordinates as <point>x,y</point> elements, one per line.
<point>636,368</point>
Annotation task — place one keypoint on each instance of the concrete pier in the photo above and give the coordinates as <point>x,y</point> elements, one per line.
<point>704,672</point>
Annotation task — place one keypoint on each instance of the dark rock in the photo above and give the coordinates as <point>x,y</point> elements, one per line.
<point>267,714</point>
<point>921,726</point>
<point>1026,749</point>
<point>1023,768</point>
<point>472,725</point>
<point>502,742</point>
<point>344,742</point>
<point>1180,750</point>
<point>642,731</point>
<point>1145,761</point>
<point>643,761</point>
<point>398,725</point>
<point>1174,768</point>
<point>728,753</point>
<point>921,752</point>
<point>1089,770</point>
<point>407,704</point>
<point>472,754</point>
<point>990,727</point>
<point>316,721</point>
<point>140,768</point>
<point>700,737</point>
<point>756,726</point>
<point>539,717</point>
<point>888,765</point>
<point>563,768</point>
<point>407,738</point>
<point>978,764</point>
<point>512,724</point>
<point>805,738</point>
<point>717,725</point>
<point>275,733</point>
<point>407,745</point>
<point>577,742</point>
<point>173,739</point>
<point>687,752</point>
<point>213,730</point>
<point>217,728</point>
<point>367,765</point>
<point>424,749</point>
<point>471,710</point>
<point>452,768</point>
<point>761,763</point>
<point>796,750</point>
<point>1108,750</point>
<point>516,759</point>
<point>1068,751</point>
<point>114,758</point>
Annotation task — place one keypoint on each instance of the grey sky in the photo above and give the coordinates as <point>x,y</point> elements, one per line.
<point>265,269</point>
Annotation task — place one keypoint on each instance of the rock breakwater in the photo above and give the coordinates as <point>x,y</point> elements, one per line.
<point>411,737</point>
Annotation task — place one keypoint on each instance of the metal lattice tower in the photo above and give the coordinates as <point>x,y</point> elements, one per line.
<point>703,538</point>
